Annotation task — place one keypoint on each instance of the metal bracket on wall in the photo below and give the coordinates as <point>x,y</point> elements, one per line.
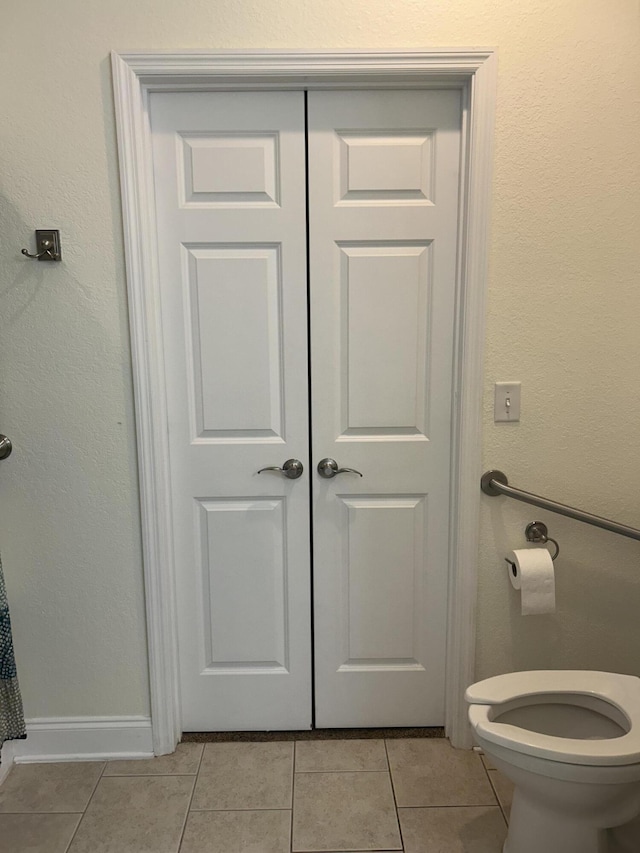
<point>5,446</point>
<point>47,246</point>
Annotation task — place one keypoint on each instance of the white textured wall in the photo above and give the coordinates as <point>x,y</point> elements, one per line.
<point>564,318</point>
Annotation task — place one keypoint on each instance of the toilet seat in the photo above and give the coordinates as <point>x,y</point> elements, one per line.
<point>621,691</point>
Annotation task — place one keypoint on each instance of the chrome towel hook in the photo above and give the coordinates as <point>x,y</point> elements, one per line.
<point>47,246</point>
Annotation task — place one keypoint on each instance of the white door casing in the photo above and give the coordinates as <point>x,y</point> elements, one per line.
<point>136,75</point>
<point>229,171</point>
<point>383,215</point>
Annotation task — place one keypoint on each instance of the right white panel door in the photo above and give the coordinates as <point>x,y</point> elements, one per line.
<point>383,179</point>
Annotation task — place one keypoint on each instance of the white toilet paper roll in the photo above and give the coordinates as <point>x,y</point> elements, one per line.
<point>534,577</point>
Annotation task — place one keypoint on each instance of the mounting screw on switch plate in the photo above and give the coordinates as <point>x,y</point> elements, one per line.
<point>506,404</point>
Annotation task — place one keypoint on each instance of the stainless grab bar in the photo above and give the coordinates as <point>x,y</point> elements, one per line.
<point>495,483</point>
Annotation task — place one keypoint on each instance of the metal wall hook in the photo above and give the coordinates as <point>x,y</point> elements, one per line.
<point>47,246</point>
<point>48,250</point>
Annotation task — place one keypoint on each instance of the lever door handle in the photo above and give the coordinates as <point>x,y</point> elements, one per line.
<point>292,469</point>
<point>328,468</point>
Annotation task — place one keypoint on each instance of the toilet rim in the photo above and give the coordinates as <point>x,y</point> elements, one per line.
<point>620,691</point>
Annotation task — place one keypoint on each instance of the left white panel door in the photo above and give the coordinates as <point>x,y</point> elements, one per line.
<point>229,173</point>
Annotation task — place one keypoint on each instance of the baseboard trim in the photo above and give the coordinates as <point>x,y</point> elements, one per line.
<point>80,739</point>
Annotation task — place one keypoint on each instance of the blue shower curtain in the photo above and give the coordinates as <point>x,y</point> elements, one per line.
<point>11,716</point>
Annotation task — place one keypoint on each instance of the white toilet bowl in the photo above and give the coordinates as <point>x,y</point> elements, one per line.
<point>570,742</point>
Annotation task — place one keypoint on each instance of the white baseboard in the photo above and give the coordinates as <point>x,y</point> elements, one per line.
<point>80,739</point>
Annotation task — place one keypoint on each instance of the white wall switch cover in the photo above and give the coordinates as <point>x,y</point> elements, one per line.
<point>506,403</point>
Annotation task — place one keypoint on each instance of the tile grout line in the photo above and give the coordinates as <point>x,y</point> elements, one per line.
<point>148,775</point>
<point>493,788</point>
<point>193,790</point>
<point>359,770</point>
<point>42,813</point>
<point>449,806</point>
<point>393,791</point>
<point>237,811</point>
<point>84,811</point>
<point>249,809</point>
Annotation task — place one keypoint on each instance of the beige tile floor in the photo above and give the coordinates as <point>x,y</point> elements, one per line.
<point>413,795</point>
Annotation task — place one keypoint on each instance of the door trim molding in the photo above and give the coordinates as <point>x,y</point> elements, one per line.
<point>135,75</point>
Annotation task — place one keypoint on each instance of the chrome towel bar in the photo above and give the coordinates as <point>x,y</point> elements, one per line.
<point>495,483</point>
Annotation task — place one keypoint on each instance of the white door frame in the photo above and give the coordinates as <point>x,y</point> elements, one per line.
<point>135,76</point>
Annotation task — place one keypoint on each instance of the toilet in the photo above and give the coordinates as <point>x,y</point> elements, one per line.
<point>570,743</point>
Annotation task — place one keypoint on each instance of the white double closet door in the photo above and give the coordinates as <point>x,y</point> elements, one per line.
<point>307,260</point>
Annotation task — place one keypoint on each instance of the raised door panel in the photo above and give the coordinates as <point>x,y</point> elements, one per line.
<point>243,565</point>
<point>382,577</point>
<point>236,334</point>
<point>385,339</point>
<point>229,168</point>
<point>391,166</point>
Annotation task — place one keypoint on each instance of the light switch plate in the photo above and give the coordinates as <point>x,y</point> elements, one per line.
<point>506,402</point>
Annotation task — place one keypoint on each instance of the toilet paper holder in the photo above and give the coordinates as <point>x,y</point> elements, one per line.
<point>538,532</point>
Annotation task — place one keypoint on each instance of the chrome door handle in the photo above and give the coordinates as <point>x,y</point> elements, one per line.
<point>5,446</point>
<point>292,469</point>
<point>328,468</point>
